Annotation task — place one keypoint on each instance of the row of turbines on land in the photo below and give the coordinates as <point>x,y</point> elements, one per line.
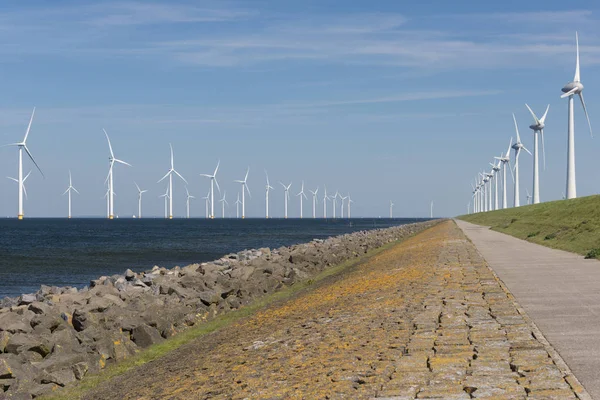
<point>210,203</point>
<point>485,190</point>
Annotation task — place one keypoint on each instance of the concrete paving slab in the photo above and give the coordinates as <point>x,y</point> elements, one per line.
<point>560,292</point>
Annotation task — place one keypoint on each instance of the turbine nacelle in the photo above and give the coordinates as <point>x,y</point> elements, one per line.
<point>572,88</point>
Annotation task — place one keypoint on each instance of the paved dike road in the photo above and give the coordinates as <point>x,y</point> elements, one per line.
<point>559,290</point>
<point>425,319</point>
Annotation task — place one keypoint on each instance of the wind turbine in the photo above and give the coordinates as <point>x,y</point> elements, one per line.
<point>495,171</point>
<point>518,146</point>
<point>170,173</point>
<point>69,189</point>
<point>349,201</point>
<point>302,194</point>
<point>107,197</point>
<point>140,192</point>
<point>187,201</point>
<point>244,189</point>
<point>286,196</point>
<point>391,209</point>
<point>207,200</point>
<point>213,180</point>
<point>23,146</point>
<point>529,197</point>
<point>538,129</point>
<point>490,176</point>
<point>342,205</point>
<point>237,206</point>
<point>166,196</point>
<point>314,201</point>
<point>223,202</point>
<point>109,178</point>
<point>505,160</point>
<point>571,89</point>
<point>431,210</point>
<point>325,198</point>
<point>268,187</point>
<point>334,201</point>
<point>24,179</point>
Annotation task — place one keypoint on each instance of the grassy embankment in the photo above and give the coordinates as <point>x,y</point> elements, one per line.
<point>571,225</point>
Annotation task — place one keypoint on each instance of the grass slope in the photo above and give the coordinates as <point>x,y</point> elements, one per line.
<point>572,225</point>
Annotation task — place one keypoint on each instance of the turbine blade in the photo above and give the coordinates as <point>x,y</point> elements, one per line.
<point>577,75</point>
<point>123,162</point>
<point>586,113</point>
<point>109,145</point>
<point>569,93</point>
<point>217,183</point>
<point>517,129</point>
<point>171,155</point>
<point>167,174</point>
<point>512,174</point>
<point>136,185</point>
<point>29,126</point>
<point>509,146</point>
<point>25,192</point>
<point>216,169</point>
<point>179,175</point>
<point>525,148</point>
<point>246,177</point>
<point>30,156</point>
<point>12,179</point>
<point>66,191</point>
<point>267,175</point>
<point>76,191</point>
<point>543,149</point>
<point>537,121</point>
<point>543,119</point>
<point>248,190</point>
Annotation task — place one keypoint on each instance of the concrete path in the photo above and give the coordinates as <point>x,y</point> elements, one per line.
<point>560,291</point>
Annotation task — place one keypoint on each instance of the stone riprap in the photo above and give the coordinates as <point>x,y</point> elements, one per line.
<point>56,336</point>
<point>426,319</point>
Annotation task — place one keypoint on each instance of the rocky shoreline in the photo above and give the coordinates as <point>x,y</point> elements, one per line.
<point>57,335</point>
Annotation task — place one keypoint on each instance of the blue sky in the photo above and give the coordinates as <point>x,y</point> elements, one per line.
<point>385,100</point>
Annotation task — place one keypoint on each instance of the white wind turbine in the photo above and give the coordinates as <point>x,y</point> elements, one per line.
<point>391,209</point>
<point>538,129</point>
<point>223,202</point>
<point>213,180</point>
<point>109,178</point>
<point>187,201</point>
<point>166,196</point>
<point>207,200</point>
<point>17,181</point>
<point>268,187</point>
<point>490,176</point>
<point>431,210</point>
<point>571,89</point>
<point>505,160</point>
<point>69,189</point>
<point>107,197</point>
<point>140,192</point>
<point>518,146</point>
<point>23,146</point>
<point>325,198</point>
<point>495,172</point>
<point>349,202</point>
<point>302,194</point>
<point>244,189</point>
<point>286,197</point>
<point>334,201</point>
<point>169,174</point>
<point>342,205</point>
<point>314,202</point>
<point>237,206</point>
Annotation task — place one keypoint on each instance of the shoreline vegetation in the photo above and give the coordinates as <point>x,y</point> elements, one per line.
<point>571,225</point>
<point>63,336</point>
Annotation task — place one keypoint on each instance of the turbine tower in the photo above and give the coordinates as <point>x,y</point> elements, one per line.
<point>391,209</point>
<point>268,187</point>
<point>334,201</point>
<point>302,194</point>
<point>24,180</point>
<point>169,174</point>
<point>495,171</point>
<point>349,201</point>
<point>314,201</point>
<point>342,205</point>
<point>213,180</point>
<point>237,206</point>
<point>431,210</point>
<point>23,146</point>
<point>166,196</point>
<point>286,196</point>
<point>111,189</point>
<point>223,202</point>
<point>244,189</point>
<point>325,198</point>
<point>187,201</point>
<point>140,192</point>
<point>69,189</point>
<point>505,160</point>
<point>518,146</point>
<point>207,200</point>
<point>538,129</point>
<point>571,89</point>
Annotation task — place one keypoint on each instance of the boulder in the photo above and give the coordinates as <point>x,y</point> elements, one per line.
<point>4,337</point>
<point>5,370</point>
<point>27,299</point>
<point>14,323</point>
<point>145,335</point>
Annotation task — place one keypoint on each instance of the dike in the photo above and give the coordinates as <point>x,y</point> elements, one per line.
<point>56,336</point>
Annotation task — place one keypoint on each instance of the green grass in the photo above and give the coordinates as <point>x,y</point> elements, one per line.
<point>158,350</point>
<point>572,225</point>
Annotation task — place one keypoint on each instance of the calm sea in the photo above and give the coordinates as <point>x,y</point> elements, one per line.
<point>65,252</point>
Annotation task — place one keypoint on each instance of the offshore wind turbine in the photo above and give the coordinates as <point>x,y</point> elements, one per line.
<point>325,198</point>
<point>538,129</point>
<point>17,181</point>
<point>187,201</point>
<point>334,201</point>
<point>140,192</point>
<point>314,202</point>
<point>518,146</point>
<point>169,174</point>
<point>23,146</point>
<point>207,200</point>
<point>223,202</point>
<point>571,89</point>
<point>110,177</point>
<point>302,194</point>
<point>391,209</point>
<point>349,201</point>
<point>244,189</point>
<point>286,196</point>
<point>166,196</point>
<point>237,206</point>
<point>342,205</point>
<point>68,191</point>
<point>268,187</point>
<point>213,180</point>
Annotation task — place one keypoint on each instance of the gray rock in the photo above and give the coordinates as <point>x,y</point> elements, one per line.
<point>14,323</point>
<point>145,336</point>
<point>5,370</point>
<point>27,299</point>
<point>129,275</point>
